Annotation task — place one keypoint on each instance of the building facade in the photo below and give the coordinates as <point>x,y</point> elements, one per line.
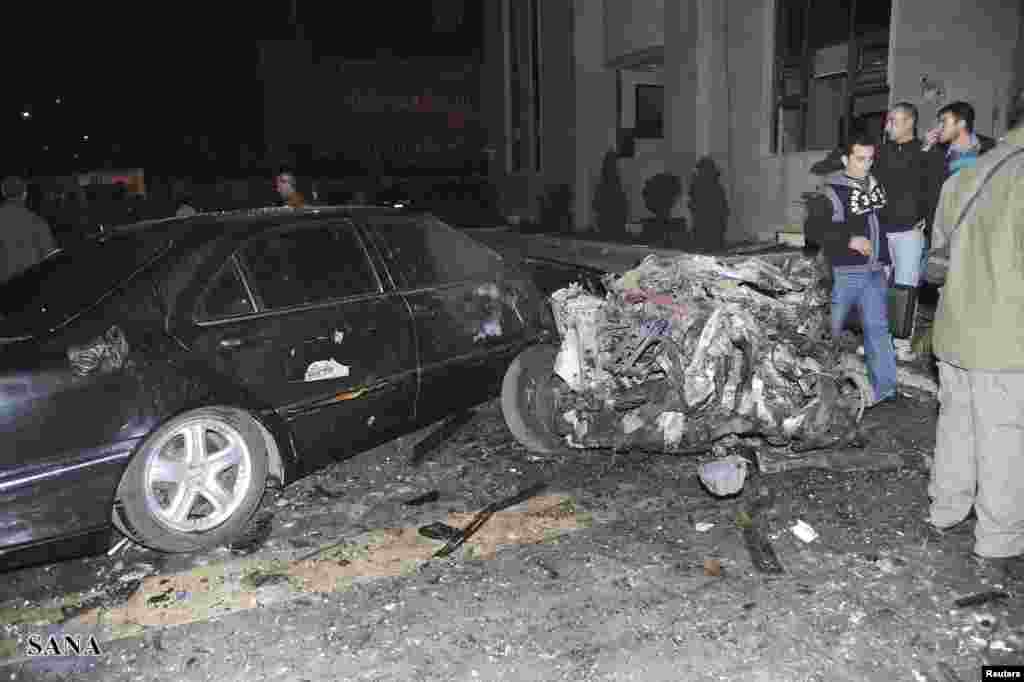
<point>761,87</point>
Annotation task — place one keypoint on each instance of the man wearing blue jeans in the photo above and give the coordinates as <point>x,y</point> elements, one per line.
<point>857,250</point>
<point>911,176</point>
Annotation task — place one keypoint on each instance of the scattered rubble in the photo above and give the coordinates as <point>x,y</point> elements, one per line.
<point>759,547</point>
<point>804,531</point>
<point>981,598</point>
<point>724,476</point>
<point>683,351</point>
<point>425,498</point>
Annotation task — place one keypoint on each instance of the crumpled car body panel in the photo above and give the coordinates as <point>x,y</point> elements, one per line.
<point>683,351</point>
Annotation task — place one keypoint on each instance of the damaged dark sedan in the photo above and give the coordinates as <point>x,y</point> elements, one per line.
<point>161,378</point>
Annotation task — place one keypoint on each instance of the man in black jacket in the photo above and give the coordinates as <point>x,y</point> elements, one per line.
<point>911,177</point>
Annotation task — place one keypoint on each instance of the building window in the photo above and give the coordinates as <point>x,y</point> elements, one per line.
<point>650,112</point>
<point>816,100</point>
<point>535,80</point>
<point>524,85</point>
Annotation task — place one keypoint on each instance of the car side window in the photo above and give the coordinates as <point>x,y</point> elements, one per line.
<point>308,265</point>
<point>425,252</point>
<point>226,296</point>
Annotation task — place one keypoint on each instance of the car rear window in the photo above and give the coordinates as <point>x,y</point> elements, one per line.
<point>69,281</point>
<point>422,251</point>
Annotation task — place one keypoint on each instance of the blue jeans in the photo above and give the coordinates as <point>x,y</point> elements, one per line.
<point>907,252</point>
<point>869,292</point>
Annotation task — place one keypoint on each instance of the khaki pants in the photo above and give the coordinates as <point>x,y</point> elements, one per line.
<point>979,457</point>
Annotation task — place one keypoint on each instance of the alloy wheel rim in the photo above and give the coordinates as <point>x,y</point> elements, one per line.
<point>197,476</point>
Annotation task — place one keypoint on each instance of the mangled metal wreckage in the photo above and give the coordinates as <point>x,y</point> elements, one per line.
<point>686,350</point>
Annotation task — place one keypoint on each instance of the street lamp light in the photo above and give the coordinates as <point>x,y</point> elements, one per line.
<point>85,138</point>
<point>26,115</point>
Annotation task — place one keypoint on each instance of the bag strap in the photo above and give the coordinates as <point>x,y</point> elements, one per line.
<point>984,182</point>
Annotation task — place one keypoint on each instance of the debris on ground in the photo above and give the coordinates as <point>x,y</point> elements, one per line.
<point>441,433</point>
<point>425,498</point>
<point>724,476</point>
<point>440,531</point>
<point>256,533</point>
<point>777,460</point>
<point>703,526</point>
<point>981,598</point>
<point>484,515</point>
<point>120,545</point>
<point>759,547</point>
<point>686,350</point>
<point>804,531</point>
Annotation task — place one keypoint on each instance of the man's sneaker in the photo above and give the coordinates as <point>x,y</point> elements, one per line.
<point>960,528</point>
<point>893,399</point>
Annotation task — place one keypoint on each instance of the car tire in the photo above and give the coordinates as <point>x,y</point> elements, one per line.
<point>179,494</point>
<point>527,400</point>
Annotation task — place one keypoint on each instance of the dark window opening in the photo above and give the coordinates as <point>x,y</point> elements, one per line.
<point>650,112</point>
<point>524,86</point>
<point>818,98</point>
<point>535,80</point>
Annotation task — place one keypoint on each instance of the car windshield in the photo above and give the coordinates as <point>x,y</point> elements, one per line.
<point>67,282</point>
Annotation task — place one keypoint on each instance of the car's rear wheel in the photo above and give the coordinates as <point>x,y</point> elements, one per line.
<point>195,482</point>
<point>528,399</point>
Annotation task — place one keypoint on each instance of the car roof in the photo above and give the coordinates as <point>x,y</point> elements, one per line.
<point>216,223</point>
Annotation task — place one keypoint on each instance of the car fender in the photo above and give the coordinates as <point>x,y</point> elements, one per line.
<point>178,382</point>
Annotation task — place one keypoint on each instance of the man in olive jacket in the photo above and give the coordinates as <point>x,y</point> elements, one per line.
<point>979,341</point>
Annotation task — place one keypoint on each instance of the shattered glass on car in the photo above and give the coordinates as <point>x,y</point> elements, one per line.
<point>683,351</point>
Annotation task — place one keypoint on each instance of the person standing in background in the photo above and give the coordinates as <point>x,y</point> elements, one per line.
<point>24,237</point>
<point>911,178</point>
<point>285,185</point>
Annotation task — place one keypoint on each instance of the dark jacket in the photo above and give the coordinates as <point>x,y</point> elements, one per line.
<point>854,214</point>
<point>912,179</point>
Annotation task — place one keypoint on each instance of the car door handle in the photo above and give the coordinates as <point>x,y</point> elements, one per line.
<point>425,311</point>
<point>232,342</point>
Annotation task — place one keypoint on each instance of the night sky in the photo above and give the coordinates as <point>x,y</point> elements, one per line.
<point>138,78</point>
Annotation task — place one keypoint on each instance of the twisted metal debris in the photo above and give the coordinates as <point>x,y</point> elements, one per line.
<point>104,353</point>
<point>685,350</point>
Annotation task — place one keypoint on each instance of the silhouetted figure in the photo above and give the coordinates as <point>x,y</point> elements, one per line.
<point>610,202</point>
<point>25,238</point>
<point>709,206</point>
<point>556,209</point>
<point>660,193</point>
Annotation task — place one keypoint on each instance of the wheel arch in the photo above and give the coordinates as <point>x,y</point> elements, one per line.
<point>174,388</point>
